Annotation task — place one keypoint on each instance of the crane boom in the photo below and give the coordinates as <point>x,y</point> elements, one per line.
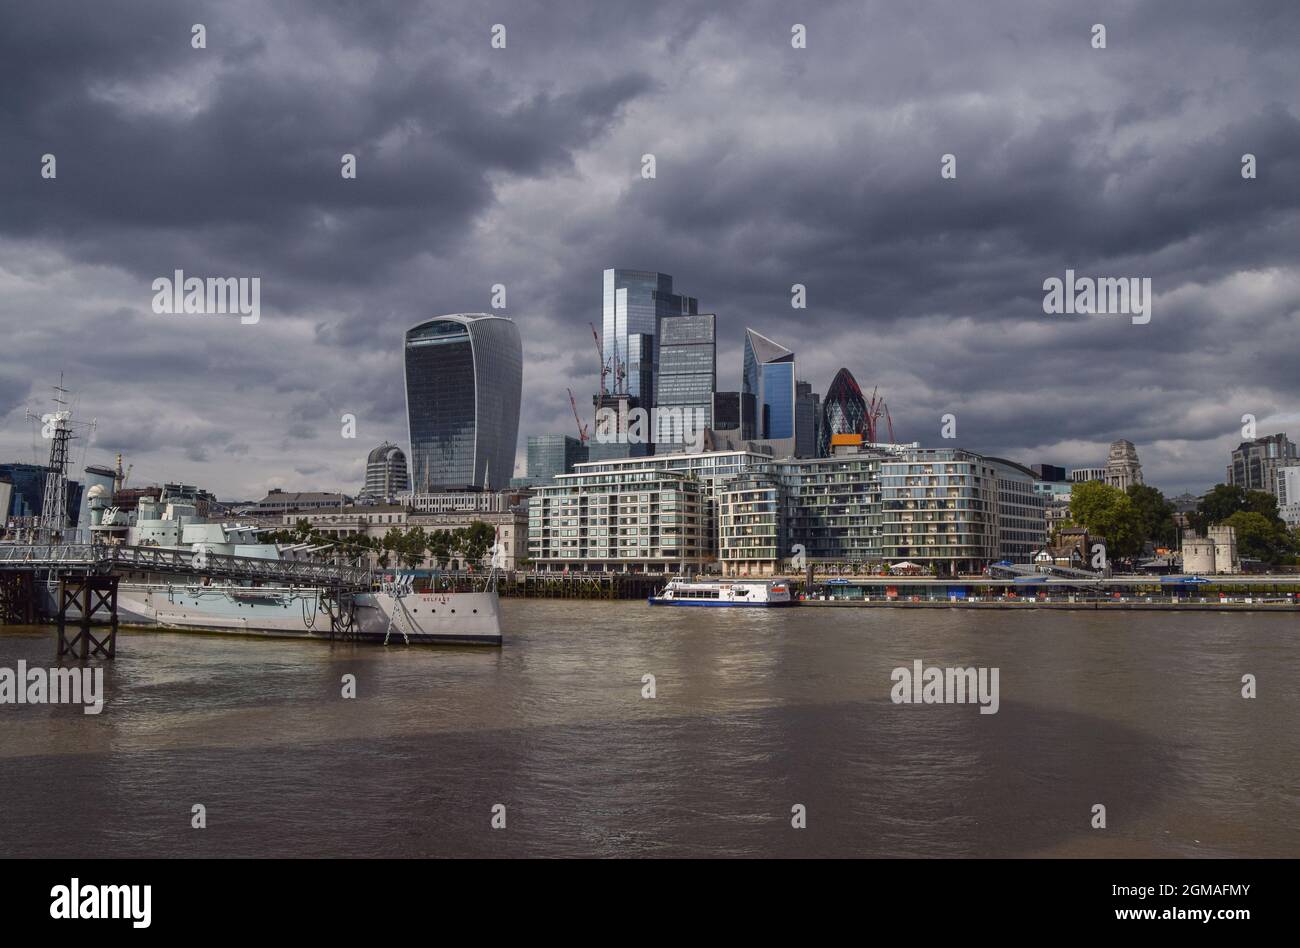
<point>583,436</point>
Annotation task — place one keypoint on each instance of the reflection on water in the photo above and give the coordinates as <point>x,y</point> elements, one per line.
<point>755,711</point>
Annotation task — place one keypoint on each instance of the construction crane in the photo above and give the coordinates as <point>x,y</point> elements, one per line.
<point>876,407</point>
<point>600,353</point>
<point>583,436</point>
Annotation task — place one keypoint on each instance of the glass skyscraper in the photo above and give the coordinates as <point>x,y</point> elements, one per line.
<point>464,379</point>
<point>634,303</point>
<point>769,376</point>
<point>843,412</point>
<point>552,454</point>
<point>808,420</point>
<point>687,377</point>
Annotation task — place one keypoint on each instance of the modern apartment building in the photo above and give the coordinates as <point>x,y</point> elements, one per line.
<point>1255,464</point>
<point>1021,511</point>
<point>1288,494</point>
<point>752,526</point>
<point>939,510</point>
<point>833,506</point>
<point>713,469</point>
<point>635,519</point>
<point>869,504</point>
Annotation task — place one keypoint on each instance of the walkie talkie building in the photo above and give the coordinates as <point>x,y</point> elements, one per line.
<point>464,379</point>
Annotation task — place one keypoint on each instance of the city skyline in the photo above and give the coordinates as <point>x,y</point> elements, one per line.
<point>929,288</point>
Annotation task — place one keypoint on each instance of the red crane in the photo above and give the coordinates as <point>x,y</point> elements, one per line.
<point>875,408</point>
<point>583,436</point>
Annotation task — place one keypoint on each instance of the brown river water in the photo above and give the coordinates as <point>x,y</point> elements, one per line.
<point>755,711</point>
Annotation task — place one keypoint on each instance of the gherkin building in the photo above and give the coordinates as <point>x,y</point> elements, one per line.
<point>844,410</point>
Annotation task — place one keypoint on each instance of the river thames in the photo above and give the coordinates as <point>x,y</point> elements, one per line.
<point>754,712</point>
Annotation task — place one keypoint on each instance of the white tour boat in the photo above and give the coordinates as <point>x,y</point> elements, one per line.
<point>736,592</point>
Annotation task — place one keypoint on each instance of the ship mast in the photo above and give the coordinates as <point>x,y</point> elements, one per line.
<point>51,525</point>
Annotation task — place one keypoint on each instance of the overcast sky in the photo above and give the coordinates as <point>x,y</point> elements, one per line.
<point>775,166</point>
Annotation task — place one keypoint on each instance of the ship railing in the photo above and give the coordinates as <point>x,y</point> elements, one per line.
<point>103,558</point>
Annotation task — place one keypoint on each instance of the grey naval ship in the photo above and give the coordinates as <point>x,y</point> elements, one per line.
<point>392,611</point>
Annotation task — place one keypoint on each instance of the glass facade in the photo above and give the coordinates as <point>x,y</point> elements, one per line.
<point>632,520</point>
<point>769,376</point>
<point>843,412</point>
<point>464,378</point>
<point>1255,463</point>
<point>687,377</point>
<point>634,301</point>
<point>726,411</point>
<point>808,417</point>
<point>552,454</point>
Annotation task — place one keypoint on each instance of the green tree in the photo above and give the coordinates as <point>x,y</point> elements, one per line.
<point>1218,505</point>
<point>1258,537</point>
<point>1264,504</point>
<point>440,547</point>
<point>1155,515</point>
<point>412,547</point>
<point>1108,513</point>
<point>473,542</point>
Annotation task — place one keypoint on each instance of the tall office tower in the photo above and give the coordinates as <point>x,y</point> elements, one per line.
<point>386,473</point>
<point>617,433</point>
<point>552,454</point>
<point>1048,472</point>
<point>808,417</point>
<point>688,379</point>
<point>1255,463</point>
<point>464,378</point>
<point>1122,467</point>
<point>634,303</point>
<point>843,412</point>
<point>769,376</point>
<point>726,411</point>
<point>1288,494</point>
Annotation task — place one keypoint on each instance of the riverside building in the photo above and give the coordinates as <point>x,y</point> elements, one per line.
<point>632,519</point>
<point>866,505</point>
<point>1255,464</point>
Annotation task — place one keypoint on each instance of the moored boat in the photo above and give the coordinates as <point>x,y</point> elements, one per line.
<point>738,592</point>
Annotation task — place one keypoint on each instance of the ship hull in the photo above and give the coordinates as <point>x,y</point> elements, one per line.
<point>430,619</point>
<point>656,601</point>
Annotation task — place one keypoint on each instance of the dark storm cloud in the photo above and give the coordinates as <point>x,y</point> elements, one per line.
<point>775,166</point>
